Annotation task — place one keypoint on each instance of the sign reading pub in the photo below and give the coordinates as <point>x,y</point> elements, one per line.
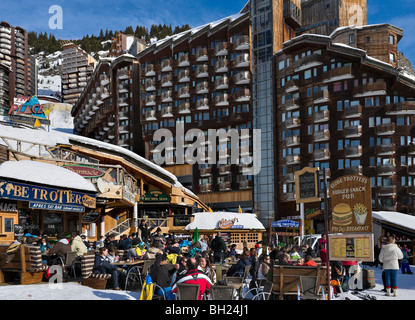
<point>351,199</point>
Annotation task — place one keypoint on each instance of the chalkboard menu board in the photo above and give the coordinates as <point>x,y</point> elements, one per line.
<point>90,217</point>
<point>306,185</point>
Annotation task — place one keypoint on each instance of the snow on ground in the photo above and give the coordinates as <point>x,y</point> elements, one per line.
<point>406,287</point>
<point>75,291</point>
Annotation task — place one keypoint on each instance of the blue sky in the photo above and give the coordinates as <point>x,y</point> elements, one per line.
<point>81,17</point>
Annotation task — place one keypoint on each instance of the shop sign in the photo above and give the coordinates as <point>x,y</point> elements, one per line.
<point>351,200</point>
<point>306,185</point>
<point>229,224</point>
<point>158,196</point>
<point>31,112</point>
<point>90,217</point>
<point>285,224</point>
<point>85,171</point>
<point>47,198</point>
<point>9,206</point>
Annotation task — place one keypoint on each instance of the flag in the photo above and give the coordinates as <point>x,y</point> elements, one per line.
<point>240,210</point>
<point>148,288</point>
<point>196,235</point>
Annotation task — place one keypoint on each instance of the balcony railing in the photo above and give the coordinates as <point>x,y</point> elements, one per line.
<point>184,108</point>
<point>292,159</point>
<point>401,108</point>
<point>292,122</point>
<point>202,87</point>
<point>386,169</point>
<point>184,76</point>
<point>205,171</point>
<point>149,70</point>
<point>221,65</point>
<point>202,71</point>
<point>183,60</point>
<point>292,104</point>
<point>292,85</point>
<point>378,87</point>
<point>292,141</point>
<point>243,77</point>
<point>221,83</point>
<point>385,129</point>
<point>338,74</point>
<point>221,48</point>
<point>241,43</point>
<point>321,154</point>
<point>222,99</point>
<point>353,170</point>
<point>202,104</point>
<point>241,60</point>
<point>323,135</point>
<point>321,116</point>
<point>202,54</point>
<point>353,151</point>
<point>166,65</point>
<point>353,132</point>
<point>242,95</point>
<point>386,191</point>
<point>353,112</point>
<point>166,112</point>
<point>385,149</point>
<point>184,92</point>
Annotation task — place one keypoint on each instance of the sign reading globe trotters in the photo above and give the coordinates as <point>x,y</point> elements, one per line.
<point>351,200</point>
<point>351,236</point>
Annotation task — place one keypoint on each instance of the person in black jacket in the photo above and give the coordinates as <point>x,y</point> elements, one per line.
<point>239,268</point>
<point>218,247</point>
<point>160,275</point>
<point>143,232</point>
<point>103,266</point>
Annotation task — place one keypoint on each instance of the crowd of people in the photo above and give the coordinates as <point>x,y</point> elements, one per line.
<point>194,259</point>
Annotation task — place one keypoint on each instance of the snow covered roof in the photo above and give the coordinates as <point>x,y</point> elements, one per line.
<point>55,138</point>
<point>45,174</point>
<point>191,32</point>
<point>210,220</point>
<point>396,218</point>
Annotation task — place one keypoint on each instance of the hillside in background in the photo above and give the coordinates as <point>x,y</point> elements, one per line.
<point>48,44</point>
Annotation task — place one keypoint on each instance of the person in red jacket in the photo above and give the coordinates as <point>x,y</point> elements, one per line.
<point>308,261</point>
<point>195,276</point>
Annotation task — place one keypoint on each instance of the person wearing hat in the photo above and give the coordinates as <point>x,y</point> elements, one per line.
<point>85,241</point>
<point>389,256</point>
<point>137,250</point>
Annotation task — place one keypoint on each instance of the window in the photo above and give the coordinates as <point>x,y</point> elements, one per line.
<point>307,74</point>
<point>351,38</point>
<point>391,39</point>
<point>8,225</point>
<point>337,86</point>
<point>392,57</point>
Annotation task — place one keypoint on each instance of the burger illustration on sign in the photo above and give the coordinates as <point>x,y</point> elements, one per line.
<point>342,214</point>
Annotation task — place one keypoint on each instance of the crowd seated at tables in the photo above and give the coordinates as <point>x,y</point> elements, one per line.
<point>176,260</point>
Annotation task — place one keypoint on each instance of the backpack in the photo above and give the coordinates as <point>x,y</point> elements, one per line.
<point>368,279</point>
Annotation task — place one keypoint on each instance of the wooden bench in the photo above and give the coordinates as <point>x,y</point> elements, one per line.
<point>26,263</point>
<point>287,277</point>
<point>89,279</point>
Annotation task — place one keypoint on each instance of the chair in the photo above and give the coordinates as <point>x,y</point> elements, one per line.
<point>187,291</point>
<point>235,282</point>
<point>156,290</point>
<point>70,262</point>
<point>309,289</point>
<point>265,293</point>
<point>222,293</point>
